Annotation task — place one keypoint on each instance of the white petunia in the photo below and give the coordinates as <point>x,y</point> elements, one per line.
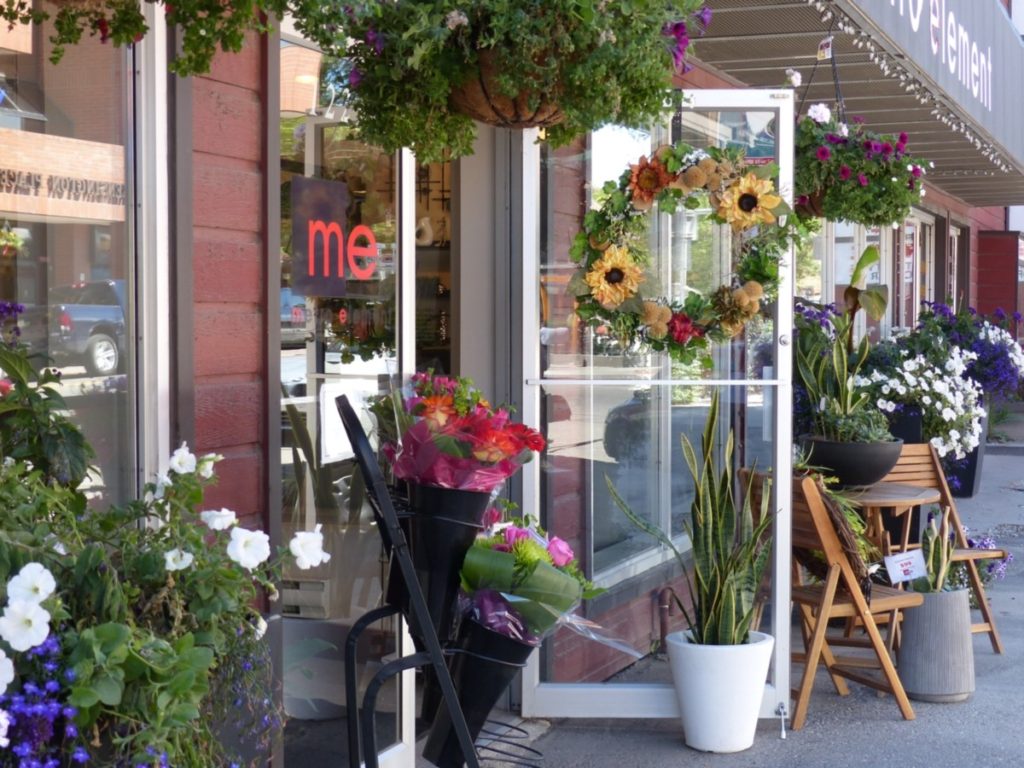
<point>183,461</point>
<point>926,399</point>
<point>248,548</point>
<point>163,482</point>
<point>6,672</point>
<point>259,627</point>
<point>206,464</point>
<point>948,414</point>
<point>177,559</point>
<point>33,584</point>
<point>218,519</point>
<point>5,724</point>
<point>819,113</point>
<point>24,625</point>
<point>793,78</point>
<point>308,549</point>
<point>844,130</point>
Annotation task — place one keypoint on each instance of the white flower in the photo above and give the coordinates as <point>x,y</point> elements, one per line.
<point>948,414</point>
<point>607,36</point>
<point>33,584</point>
<point>218,519</point>
<point>177,559</point>
<point>6,674</point>
<point>456,19</point>
<point>206,464</point>
<point>844,130</point>
<point>926,399</point>
<point>163,482</point>
<point>793,78</point>
<point>886,389</point>
<point>259,627</point>
<point>248,548</point>
<point>819,113</point>
<point>308,549</point>
<point>5,723</point>
<point>183,461</point>
<point>24,625</point>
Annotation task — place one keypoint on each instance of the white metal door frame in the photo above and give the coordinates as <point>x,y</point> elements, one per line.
<point>540,699</point>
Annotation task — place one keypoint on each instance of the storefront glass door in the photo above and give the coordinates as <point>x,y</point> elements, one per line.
<point>617,414</point>
<point>342,284</point>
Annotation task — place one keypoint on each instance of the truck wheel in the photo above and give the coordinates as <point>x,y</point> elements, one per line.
<point>101,355</point>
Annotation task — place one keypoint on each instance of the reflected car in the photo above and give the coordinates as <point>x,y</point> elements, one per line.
<point>87,325</point>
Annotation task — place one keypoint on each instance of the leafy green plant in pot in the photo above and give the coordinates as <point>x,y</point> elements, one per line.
<point>850,435</point>
<point>936,653</point>
<point>419,73</point>
<point>720,664</point>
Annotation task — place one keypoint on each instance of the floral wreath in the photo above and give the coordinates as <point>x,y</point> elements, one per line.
<point>611,249</point>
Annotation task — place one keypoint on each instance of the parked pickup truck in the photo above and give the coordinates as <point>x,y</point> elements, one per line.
<point>87,325</point>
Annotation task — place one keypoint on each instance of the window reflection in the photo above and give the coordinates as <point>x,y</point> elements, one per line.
<point>65,241</point>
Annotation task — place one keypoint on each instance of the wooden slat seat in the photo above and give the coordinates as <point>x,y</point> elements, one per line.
<point>919,464</point>
<point>838,595</point>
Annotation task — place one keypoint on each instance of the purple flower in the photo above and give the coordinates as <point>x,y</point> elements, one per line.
<point>374,40</point>
<point>886,149</point>
<point>862,179</point>
<point>999,314</point>
<point>915,171</point>
<point>704,17</point>
<point>677,31</point>
<point>1017,317</point>
<point>903,138</point>
<point>355,77</point>
<point>823,154</point>
<point>844,172</point>
<point>802,200</point>
<point>858,119</point>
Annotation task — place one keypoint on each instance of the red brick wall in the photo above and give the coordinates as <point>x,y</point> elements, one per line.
<point>997,272</point>
<point>229,318</point>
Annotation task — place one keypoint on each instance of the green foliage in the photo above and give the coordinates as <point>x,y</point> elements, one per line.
<point>32,426</point>
<point>860,175</point>
<point>937,546</point>
<point>730,553</point>
<point>600,62</point>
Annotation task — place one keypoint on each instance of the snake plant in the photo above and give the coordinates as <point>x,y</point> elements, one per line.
<point>730,552</point>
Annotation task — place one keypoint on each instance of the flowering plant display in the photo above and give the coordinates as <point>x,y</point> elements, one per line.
<point>993,569</point>
<point>950,403</point>
<point>418,72</point>
<point>837,404</point>
<point>442,432</point>
<point>849,173</point>
<point>128,636</point>
<point>610,285</point>
<point>10,242</point>
<point>997,361</point>
<point>520,582</point>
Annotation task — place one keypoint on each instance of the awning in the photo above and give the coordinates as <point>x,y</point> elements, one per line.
<point>960,112</point>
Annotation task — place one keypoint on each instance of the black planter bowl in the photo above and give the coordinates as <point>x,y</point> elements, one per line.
<point>853,464</point>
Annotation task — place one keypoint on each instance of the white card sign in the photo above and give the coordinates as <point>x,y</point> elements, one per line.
<point>825,49</point>
<point>906,566</point>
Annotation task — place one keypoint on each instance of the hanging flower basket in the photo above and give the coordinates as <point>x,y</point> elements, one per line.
<point>482,98</point>
<point>849,173</point>
<point>417,74</point>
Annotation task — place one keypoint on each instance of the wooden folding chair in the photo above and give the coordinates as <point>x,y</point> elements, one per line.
<point>838,595</point>
<point>919,465</point>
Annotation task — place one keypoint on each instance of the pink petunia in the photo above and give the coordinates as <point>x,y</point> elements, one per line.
<point>844,172</point>
<point>824,153</point>
<point>862,179</point>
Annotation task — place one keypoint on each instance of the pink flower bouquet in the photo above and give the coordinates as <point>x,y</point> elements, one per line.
<point>520,582</point>
<point>444,433</point>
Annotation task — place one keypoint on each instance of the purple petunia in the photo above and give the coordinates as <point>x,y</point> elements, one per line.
<point>844,172</point>
<point>823,154</point>
<point>677,31</point>
<point>862,179</point>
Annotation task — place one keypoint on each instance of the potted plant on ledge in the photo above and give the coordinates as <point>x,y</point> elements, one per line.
<point>720,664</point>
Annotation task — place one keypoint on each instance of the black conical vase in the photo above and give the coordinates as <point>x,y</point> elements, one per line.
<point>442,528</point>
<point>482,668</point>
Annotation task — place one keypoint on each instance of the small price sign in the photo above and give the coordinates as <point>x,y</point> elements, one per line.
<point>906,566</point>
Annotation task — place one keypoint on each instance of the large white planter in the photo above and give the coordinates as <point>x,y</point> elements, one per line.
<point>720,688</point>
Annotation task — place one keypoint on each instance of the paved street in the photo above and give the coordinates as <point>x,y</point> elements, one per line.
<point>864,729</point>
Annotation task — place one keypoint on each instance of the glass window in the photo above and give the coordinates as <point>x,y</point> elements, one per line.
<point>615,413</point>
<point>339,260</point>
<point>67,258</point>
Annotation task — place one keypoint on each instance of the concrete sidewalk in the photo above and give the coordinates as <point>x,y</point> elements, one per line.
<point>863,729</point>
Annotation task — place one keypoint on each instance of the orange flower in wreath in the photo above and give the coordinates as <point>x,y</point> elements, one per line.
<point>495,445</point>
<point>646,179</point>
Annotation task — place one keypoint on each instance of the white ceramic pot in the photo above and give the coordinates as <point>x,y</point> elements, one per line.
<point>720,688</point>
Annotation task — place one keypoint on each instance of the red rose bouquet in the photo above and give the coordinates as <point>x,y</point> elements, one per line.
<point>442,432</point>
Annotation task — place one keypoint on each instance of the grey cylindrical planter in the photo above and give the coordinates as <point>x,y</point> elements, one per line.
<point>936,654</point>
